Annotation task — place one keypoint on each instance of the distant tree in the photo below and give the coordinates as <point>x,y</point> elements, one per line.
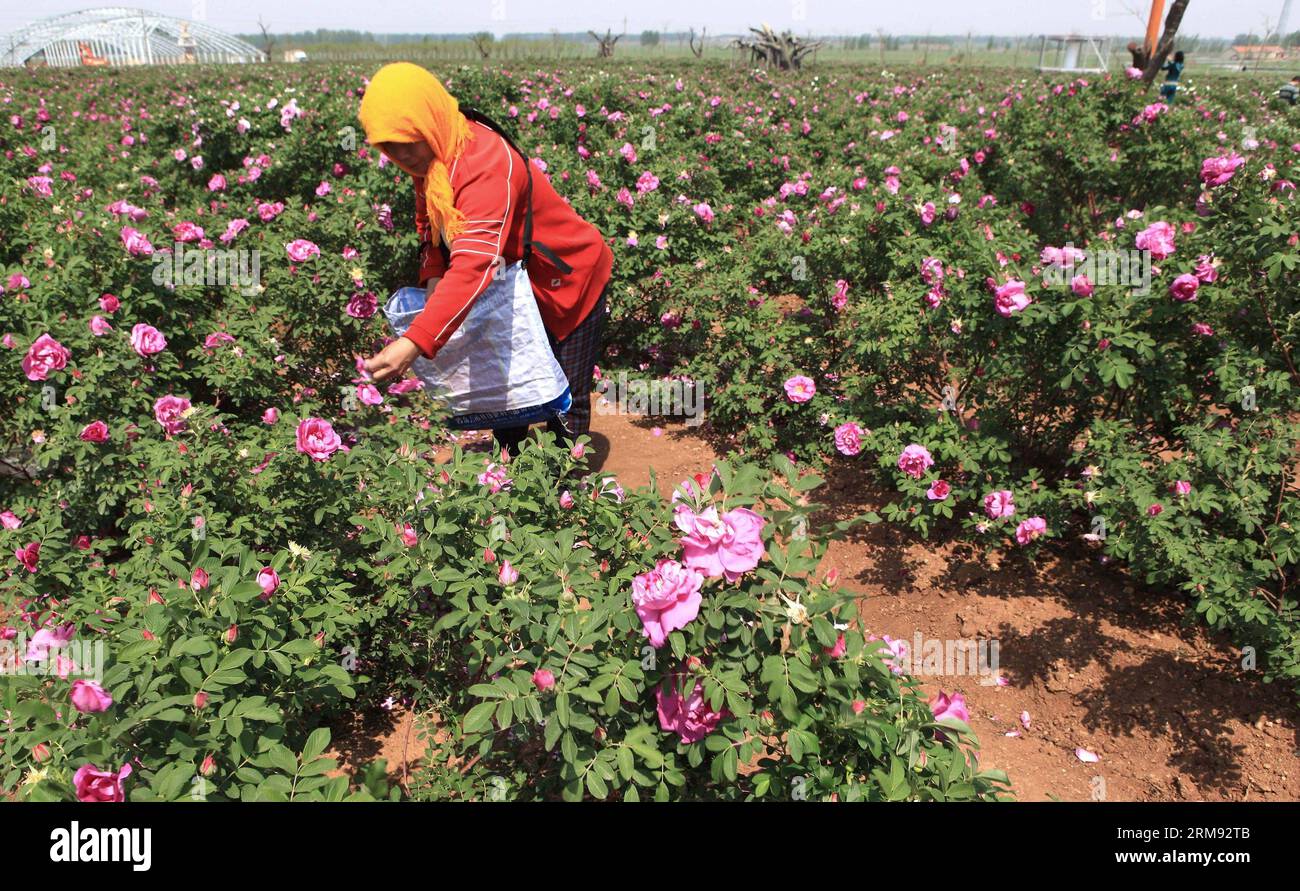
<point>698,49</point>
<point>268,42</point>
<point>605,45</point>
<point>1166,42</point>
<point>483,41</point>
<point>649,38</point>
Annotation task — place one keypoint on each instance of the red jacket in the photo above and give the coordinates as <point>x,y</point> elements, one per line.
<point>489,183</point>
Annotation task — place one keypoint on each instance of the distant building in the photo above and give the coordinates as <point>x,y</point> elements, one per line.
<point>1261,52</point>
<point>295,56</point>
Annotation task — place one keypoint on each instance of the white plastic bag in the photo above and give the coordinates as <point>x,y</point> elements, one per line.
<point>497,370</point>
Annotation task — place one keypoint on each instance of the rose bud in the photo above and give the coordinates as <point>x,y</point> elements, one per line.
<point>543,679</point>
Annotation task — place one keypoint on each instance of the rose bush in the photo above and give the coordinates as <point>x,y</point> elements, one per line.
<point>880,269</point>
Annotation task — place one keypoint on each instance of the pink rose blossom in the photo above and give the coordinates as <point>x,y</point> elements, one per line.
<point>1183,289</point>
<point>1030,529</point>
<point>45,355</point>
<point>147,340</point>
<point>93,784</point>
<point>169,411</point>
<point>728,545</point>
<point>848,438</point>
<point>269,580</point>
<point>88,697</point>
<point>689,716</point>
<point>300,249</point>
<point>999,504</point>
<point>95,431</point>
<point>800,388</point>
<point>915,460</point>
<point>666,598</point>
<point>1010,298</point>
<point>316,437</point>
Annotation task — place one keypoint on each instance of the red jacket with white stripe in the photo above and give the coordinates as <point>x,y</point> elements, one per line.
<point>489,185</point>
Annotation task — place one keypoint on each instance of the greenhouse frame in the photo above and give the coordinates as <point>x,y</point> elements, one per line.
<point>118,36</point>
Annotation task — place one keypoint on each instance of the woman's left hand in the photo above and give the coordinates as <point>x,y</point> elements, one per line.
<point>393,361</point>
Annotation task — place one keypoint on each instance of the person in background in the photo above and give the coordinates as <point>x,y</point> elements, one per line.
<point>1290,92</point>
<point>1173,70</point>
<point>471,190</point>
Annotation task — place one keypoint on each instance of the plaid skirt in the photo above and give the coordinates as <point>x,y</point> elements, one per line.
<point>577,355</point>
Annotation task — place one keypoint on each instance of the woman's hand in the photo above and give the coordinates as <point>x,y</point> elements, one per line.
<point>393,361</point>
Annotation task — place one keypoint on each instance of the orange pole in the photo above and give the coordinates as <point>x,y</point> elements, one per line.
<point>1153,25</point>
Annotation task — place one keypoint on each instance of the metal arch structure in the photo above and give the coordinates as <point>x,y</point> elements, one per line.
<point>1074,53</point>
<point>118,36</point>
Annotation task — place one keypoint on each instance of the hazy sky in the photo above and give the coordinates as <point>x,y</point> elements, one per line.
<point>1208,18</point>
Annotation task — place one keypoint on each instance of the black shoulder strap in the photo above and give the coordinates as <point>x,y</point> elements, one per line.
<point>529,244</point>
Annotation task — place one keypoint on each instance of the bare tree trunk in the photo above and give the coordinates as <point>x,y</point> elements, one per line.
<point>1166,43</point>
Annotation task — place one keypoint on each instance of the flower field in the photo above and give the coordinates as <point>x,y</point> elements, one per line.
<point>1043,315</point>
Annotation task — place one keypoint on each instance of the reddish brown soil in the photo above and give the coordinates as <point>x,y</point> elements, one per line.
<point>1097,661</point>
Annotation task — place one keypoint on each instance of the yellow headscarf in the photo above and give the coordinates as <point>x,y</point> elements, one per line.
<point>405,103</point>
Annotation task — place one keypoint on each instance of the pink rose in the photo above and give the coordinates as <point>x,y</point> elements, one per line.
<point>507,574</point>
<point>147,340</point>
<point>99,326</point>
<point>915,460</point>
<point>301,249</point>
<point>88,696</point>
<point>1183,289</point>
<point>938,490</point>
<point>270,416</point>
<point>10,520</point>
<point>848,438</point>
<point>136,243</point>
<point>1158,238</point>
<point>362,305</point>
<point>944,706</point>
<point>1217,171</point>
<point>543,679</point>
<point>566,500</point>
<point>728,545</point>
<point>840,298</point>
<point>317,438</point>
<point>1030,529</point>
<point>169,411</point>
<point>93,784</point>
<point>841,647</point>
<point>1182,487</point>
<point>690,717</point>
<point>999,504</point>
<point>45,355</point>
<point>109,303</point>
<point>269,580</point>
<point>800,388</point>
<point>1010,298</point>
<point>369,395</point>
<point>29,556</point>
<point>198,579</point>
<point>95,431</point>
<point>1081,286</point>
<point>666,598</point>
